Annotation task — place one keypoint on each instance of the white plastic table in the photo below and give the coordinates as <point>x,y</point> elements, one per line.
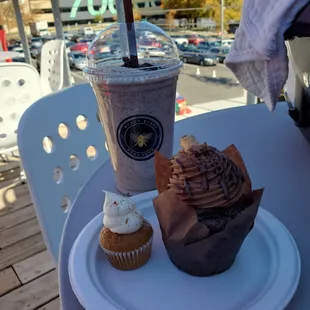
<point>277,157</point>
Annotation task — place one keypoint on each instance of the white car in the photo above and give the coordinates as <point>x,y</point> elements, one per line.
<point>86,31</point>
<point>77,60</point>
<point>152,52</point>
<point>179,39</point>
<point>20,52</point>
<point>227,42</point>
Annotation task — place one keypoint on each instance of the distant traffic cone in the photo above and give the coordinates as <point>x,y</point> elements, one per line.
<point>198,71</point>
<point>214,74</point>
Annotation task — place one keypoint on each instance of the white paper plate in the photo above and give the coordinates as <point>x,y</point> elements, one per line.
<point>264,276</point>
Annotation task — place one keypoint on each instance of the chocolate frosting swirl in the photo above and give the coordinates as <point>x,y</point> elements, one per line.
<point>205,178</point>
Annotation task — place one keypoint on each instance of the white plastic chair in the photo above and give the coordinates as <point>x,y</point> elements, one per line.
<point>57,166</point>
<point>19,87</point>
<point>52,66</point>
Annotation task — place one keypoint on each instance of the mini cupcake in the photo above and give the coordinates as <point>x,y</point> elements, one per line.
<point>126,237</point>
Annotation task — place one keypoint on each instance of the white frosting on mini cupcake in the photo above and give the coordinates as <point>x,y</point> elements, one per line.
<point>121,215</point>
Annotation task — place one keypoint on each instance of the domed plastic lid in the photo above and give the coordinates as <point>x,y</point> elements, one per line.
<point>157,53</point>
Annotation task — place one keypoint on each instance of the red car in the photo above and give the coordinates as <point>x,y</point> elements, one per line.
<point>79,47</point>
<point>151,43</point>
<point>195,38</point>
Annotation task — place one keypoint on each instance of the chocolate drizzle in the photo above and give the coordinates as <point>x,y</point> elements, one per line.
<point>205,178</point>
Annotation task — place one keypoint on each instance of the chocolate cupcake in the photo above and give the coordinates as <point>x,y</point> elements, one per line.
<point>205,206</point>
<point>126,237</point>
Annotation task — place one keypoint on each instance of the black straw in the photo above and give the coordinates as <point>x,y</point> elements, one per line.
<point>131,34</point>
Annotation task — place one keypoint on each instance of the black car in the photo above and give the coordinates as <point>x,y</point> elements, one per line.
<point>220,53</point>
<point>205,45</point>
<point>195,56</point>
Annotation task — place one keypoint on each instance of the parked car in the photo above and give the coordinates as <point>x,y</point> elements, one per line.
<point>195,56</point>
<point>77,60</point>
<point>181,47</point>
<point>19,59</point>
<point>227,42</point>
<point>214,37</point>
<point>103,56</point>
<point>76,38</point>
<point>179,39</point>
<point>205,45</point>
<point>38,61</point>
<point>80,47</point>
<point>152,52</point>
<point>34,52</point>
<point>68,35</point>
<point>20,50</point>
<point>48,38</point>
<point>195,38</point>
<point>86,31</point>
<point>68,45</point>
<point>86,40</point>
<point>14,42</point>
<point>36,42</point>
<point>220,53</point>
<point>149,43</point>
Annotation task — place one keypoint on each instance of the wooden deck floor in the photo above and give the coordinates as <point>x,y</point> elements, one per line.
<point>28,279</point>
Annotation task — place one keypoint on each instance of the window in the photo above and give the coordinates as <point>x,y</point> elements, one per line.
<point>79,56</point>
<point>65,10</point>
<point>42,11</point>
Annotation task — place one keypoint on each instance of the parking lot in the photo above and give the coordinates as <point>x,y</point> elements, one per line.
<point>199,84</point>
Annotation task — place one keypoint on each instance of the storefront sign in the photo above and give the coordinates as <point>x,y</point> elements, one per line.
<point>105,5</point>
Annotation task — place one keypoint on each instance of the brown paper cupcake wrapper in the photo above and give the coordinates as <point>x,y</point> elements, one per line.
<point>130,260</point>
<point>190,245</point>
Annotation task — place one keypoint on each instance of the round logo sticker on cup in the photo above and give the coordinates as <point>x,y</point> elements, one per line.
<point>139,136</point>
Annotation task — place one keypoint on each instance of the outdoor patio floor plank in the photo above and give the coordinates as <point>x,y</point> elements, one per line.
<point>15,218</point>
<point>34,267</point>
<point>52,305</point>
<point>19,232</point>
<point>33,294</point>
<point>21,250</point>
<point>28,279</point>
<point>8,281</point>
<point>13,196</point>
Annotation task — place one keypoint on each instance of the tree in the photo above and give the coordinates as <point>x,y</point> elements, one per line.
<point>136,14</point>
<point>170,18</point>
<point>98,19</point>
<point>205,8</point>
<point>232,10</point>
<point>8,18</point>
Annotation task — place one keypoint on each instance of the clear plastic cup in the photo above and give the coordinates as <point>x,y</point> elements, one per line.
<point>136,105</point>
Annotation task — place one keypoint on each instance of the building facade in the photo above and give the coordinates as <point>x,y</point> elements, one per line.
<point>84,11</point>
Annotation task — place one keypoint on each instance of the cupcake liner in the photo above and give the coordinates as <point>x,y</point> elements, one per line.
<point>184,235</point>
<point>130,260</point>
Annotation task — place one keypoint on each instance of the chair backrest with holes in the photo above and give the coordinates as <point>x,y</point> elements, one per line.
<point>19,88</point>
<point>61,143</point>
<point>52,64</point>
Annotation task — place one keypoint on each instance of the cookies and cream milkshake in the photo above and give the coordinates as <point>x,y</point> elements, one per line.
<point>136,107</point>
